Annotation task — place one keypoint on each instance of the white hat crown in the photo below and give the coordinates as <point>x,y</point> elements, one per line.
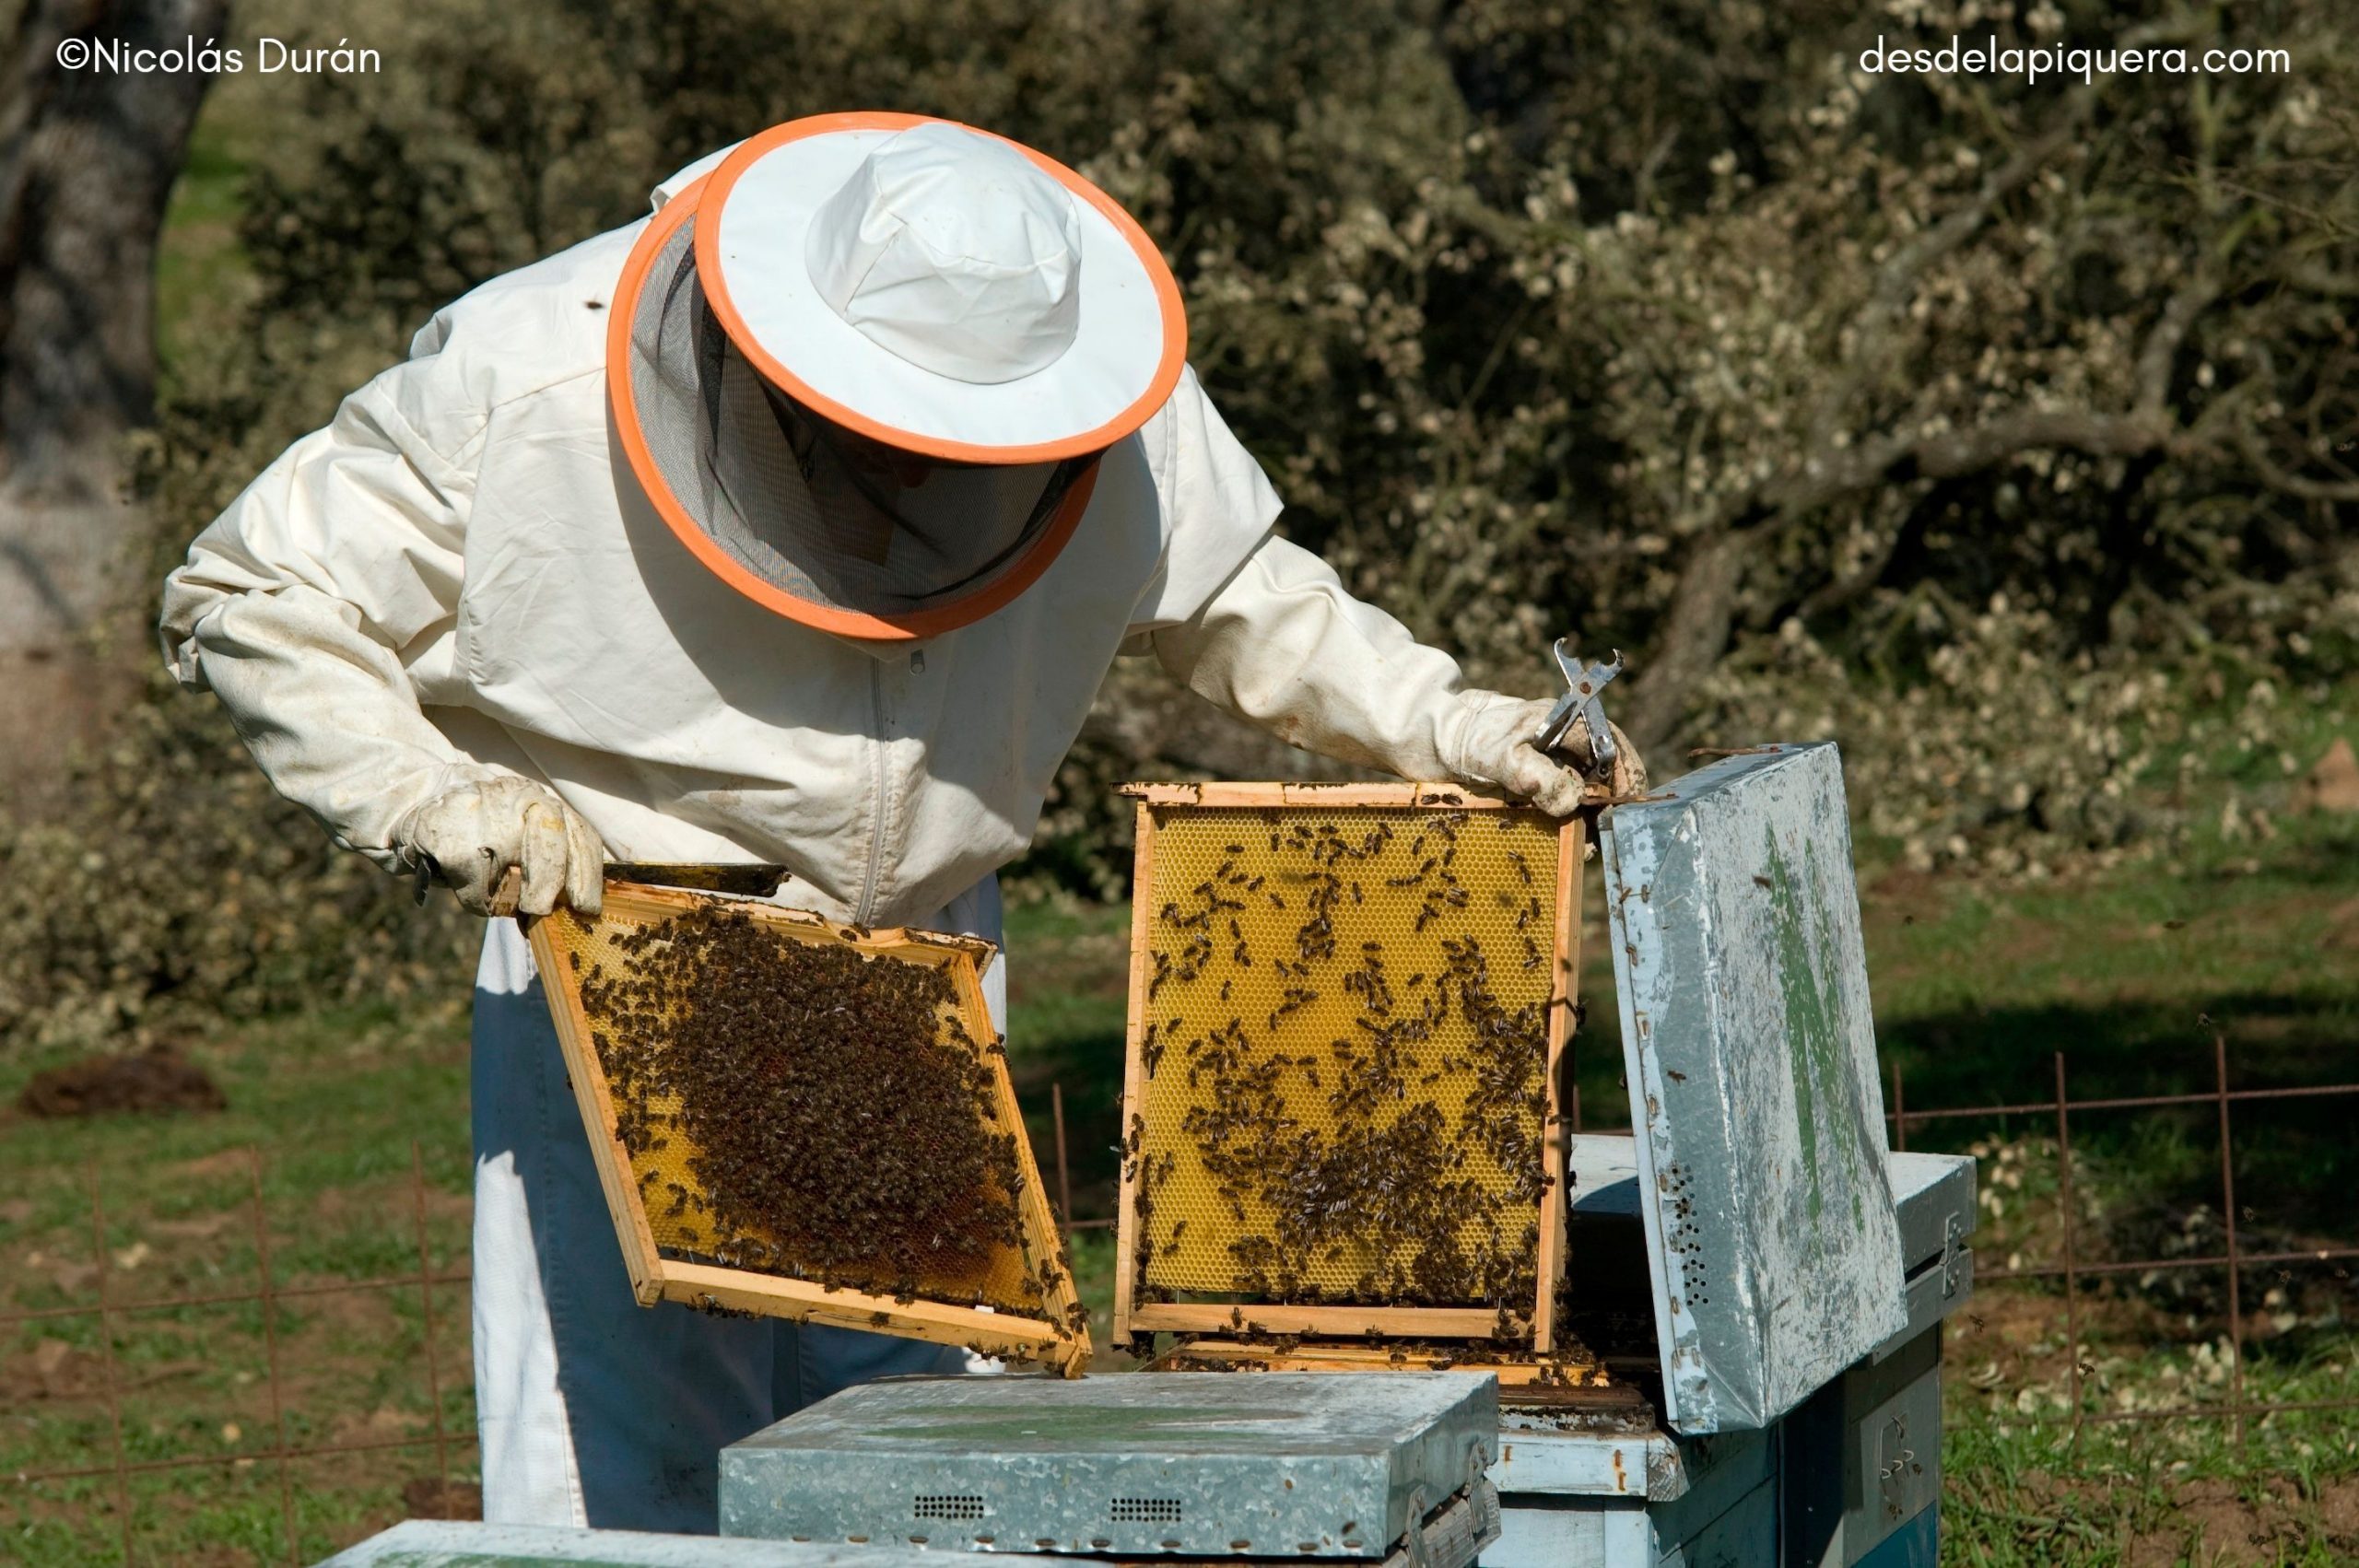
<point>953,252</point>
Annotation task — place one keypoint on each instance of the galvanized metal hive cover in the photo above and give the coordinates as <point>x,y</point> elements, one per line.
<point>1268,1465</point>
<point>1751,1056</point>
<point>436,1543</point>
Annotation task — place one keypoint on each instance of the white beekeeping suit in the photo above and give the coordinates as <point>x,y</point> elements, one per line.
<point>796,524</point>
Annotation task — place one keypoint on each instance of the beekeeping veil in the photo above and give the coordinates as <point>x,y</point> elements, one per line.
<point>864,368</point>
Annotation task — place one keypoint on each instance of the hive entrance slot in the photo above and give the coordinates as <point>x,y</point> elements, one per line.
<point>1145,1510</point>
<point>947,1506</point>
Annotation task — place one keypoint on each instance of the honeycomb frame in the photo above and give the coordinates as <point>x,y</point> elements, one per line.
<point>1056,1337</point>
<point>1202,1325</point>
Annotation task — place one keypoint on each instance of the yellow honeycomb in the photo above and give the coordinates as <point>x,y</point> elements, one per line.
<point>1342,1052</point>
<point>1002,1279</point>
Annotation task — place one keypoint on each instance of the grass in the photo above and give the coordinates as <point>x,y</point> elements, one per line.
<point>1977,987</point>
<point>336,1102</point>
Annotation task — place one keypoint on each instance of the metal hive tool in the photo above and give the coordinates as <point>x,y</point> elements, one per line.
<point>1294,946</point>
<point>1016,1301</point>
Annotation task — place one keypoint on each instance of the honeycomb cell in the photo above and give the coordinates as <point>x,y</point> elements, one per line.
<point>1342,1050</point>
<point>634,976</point>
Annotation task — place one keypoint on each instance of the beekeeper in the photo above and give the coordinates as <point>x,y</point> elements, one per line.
<point>798,523</point>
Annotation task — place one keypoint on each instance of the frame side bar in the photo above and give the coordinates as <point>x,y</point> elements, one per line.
<point>1126,1237</point>
<point>645,1265</point>
<point>1563,996</point>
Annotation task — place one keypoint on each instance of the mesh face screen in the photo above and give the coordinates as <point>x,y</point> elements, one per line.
<point>678,1205</point>
<point>1345,1049</point>
<point>832,521</point>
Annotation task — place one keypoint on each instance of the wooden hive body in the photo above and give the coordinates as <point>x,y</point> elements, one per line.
<point>1293,946</point>
<point>1028,1309</point>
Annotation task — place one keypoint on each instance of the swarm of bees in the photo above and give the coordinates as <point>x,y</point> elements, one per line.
<point>1345,1056</point>
<point>805,1108</point>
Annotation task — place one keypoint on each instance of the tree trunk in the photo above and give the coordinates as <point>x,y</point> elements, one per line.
<point>88,159</point>
<point>1695,634</point>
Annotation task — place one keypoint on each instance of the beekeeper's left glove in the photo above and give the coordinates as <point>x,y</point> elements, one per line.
<point>1492,750</point>
<point>470,836</point>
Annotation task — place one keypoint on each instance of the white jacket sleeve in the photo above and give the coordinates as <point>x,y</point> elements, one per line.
<point>1284,647</point>
<point>297,606</point>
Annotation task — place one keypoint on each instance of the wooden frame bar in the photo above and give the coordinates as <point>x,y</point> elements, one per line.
<point>1133,1075</point>
<point>1050,1338</point>
<point>1563,996</point>
<point>802,1301</point>
<point>1221,793</point>
<point>1344,1322</point>
<point>588,1076</point>
<point>1133,1317</point>
<point>1229,1354</point>
<point>1225,794</point>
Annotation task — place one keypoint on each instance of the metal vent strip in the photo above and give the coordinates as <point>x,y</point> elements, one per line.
<point>1145,1510</point>
<point>945,1505</point>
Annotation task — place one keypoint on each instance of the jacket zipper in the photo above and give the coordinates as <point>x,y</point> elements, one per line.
<point>878,779</point>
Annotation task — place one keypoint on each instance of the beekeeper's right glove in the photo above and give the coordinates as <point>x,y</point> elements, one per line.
<point>1283,646</point>
<point>468,837</point>
<point>1491,749</point>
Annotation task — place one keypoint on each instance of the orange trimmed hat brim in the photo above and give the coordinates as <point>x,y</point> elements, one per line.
<point>629,429</point>
<point>773,360</point>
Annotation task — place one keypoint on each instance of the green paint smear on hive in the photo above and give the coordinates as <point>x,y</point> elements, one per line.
<point>1813,1034</point>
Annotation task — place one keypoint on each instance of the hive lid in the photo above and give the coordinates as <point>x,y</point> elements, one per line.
<point>1750,1052</point>
<point>1190,1465</point>
<point>446,1543</point>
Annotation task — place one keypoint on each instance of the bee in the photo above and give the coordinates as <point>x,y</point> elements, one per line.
<point>736,1027</point>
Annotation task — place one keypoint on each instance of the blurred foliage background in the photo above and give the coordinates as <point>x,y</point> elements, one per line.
<point>2004,431</point>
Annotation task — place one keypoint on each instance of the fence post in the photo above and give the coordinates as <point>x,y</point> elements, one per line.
<point>270,1345</point>
<point>106,1354</point>
<point>2228,1208</point>
<point>1900,1111</point>
<point>1064,1176</point>
<point>2071,1264</point>
<point>425,1308</point>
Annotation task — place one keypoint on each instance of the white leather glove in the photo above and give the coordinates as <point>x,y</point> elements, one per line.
<point>470,836</point>
<point>1492,750</point>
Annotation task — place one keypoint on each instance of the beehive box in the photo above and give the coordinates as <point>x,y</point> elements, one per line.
<point>1349,1005</point>
<point>1011,1296</point>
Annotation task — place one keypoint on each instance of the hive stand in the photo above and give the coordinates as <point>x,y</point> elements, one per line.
<point>1364,1329</point>
<point>1055,1337</point>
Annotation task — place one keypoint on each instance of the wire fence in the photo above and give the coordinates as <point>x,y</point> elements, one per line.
<point>2071,1269</point>
<point>2069,1266</point>
<point>112,1309</point>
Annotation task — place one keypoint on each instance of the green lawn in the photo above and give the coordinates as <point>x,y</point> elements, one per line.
<point>337,1104</point>
<point>1976,989</point>
<point>1977,985</point>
